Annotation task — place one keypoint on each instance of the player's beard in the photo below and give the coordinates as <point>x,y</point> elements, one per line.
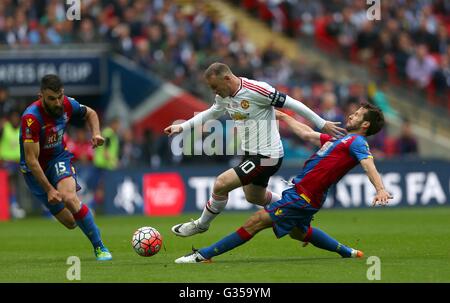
<point>55,112</point>
<point>354,127</point>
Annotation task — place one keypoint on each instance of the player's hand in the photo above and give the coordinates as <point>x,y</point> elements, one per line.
<point>173,129</point>
<point>334,130</point>
<point>381,198</point>
<point>97,140</point>
<point>54,196</point>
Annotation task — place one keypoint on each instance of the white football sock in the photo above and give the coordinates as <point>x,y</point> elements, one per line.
<point>212,208</point>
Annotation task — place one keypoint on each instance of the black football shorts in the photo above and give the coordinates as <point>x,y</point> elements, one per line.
<point>257,169</point>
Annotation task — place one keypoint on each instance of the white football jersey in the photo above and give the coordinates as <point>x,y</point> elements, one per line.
<point>252,109</point>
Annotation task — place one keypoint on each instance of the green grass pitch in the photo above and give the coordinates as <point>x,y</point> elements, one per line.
<point>412,244</point>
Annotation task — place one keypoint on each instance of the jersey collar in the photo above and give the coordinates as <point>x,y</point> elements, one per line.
<point>240,87</point>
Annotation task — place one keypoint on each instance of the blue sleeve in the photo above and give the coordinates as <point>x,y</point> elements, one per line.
<point>360,149</point>
<point>78,110</point>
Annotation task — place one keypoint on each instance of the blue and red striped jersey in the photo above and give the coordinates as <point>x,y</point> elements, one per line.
<point>38,126</point>
<point>329,164</point>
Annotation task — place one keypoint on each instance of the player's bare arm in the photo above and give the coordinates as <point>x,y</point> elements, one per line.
<point>31,150</point>
<point>94,125</point>
<point>382,196</point>
<point>303,131</point>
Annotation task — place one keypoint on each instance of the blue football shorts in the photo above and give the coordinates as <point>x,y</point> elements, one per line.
<point>57,170</point>
<point>290,211</point>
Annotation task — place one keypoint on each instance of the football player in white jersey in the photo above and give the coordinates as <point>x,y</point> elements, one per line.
<point>251,105</point>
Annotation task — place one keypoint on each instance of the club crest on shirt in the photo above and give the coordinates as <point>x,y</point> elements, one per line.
<point>278,212</point>
<point>245,104</point>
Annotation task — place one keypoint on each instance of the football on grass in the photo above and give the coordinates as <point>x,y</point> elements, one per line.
<point>146,241</point>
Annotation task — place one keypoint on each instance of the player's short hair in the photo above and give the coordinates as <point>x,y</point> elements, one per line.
<point>217,69</point>
<point>52,82</point>
<point>375,116</point>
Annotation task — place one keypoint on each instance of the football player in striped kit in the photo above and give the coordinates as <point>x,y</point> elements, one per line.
<point>251,104</point>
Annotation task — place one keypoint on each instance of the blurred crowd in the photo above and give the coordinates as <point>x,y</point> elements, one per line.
<point>178,43</point>
<point>409,46</point>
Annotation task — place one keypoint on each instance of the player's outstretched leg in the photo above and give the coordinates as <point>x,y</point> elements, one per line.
<point>84,218</point>
<point>320,239</point>
<point>213,207</point>
<point>257,222</point>
<point>227,243</point>
<point>224,183</point>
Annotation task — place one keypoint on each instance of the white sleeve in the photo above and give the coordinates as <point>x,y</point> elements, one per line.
<point>271,96</point>
<point>305,111</point>
<point>214,112</point>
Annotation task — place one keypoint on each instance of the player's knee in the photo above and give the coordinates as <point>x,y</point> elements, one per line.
<point>71,200</point>
<point>220,186</point>
<point>256,222</point>
<point>70,224</point>
<point>254,199</point>
<point>297,235</point>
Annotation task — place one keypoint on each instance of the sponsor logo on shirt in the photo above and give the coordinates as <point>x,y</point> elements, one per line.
<point>54,139</point>
<point>239,116</point>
